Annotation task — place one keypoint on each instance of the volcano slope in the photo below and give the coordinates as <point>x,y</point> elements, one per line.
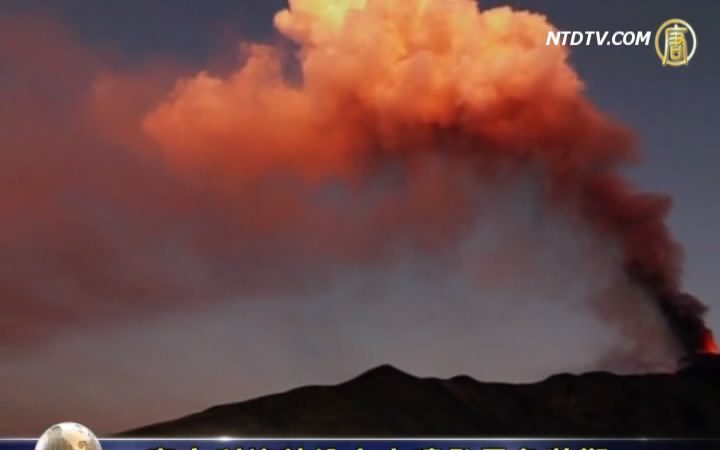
<point>388,402</point>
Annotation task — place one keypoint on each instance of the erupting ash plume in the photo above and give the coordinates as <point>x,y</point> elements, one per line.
<point>393,82</point>
<point>395,134</point>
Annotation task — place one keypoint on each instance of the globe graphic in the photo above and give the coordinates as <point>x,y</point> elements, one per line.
<point>68,436</point>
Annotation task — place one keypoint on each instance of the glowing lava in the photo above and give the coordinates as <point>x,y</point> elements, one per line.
<point>709,344</point>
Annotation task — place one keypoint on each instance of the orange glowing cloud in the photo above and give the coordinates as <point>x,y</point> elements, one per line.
<point>377,134</point>
<point>383,81</point>
<point>389,77</point>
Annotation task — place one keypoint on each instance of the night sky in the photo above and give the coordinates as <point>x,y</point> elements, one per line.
<point>130,301</point>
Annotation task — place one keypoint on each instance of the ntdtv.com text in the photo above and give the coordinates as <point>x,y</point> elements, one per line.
<point>617,38</point>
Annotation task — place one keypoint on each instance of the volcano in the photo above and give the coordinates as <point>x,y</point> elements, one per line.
<point>388,402</point>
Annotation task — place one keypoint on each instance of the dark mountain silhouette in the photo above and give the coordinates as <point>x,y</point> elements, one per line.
<point>388,402</point>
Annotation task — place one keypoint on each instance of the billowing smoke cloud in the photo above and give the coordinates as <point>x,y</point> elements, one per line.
<point>381,136</point>
<point>390,82</point>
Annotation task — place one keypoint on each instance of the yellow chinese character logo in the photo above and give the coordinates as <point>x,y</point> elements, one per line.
<point>672,44</point>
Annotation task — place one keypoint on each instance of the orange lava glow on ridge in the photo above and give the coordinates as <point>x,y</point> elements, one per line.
<point>710,346</point>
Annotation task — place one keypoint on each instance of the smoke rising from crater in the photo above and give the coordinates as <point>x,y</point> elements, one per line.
<point>386,130</point>
<point>399,82</point>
